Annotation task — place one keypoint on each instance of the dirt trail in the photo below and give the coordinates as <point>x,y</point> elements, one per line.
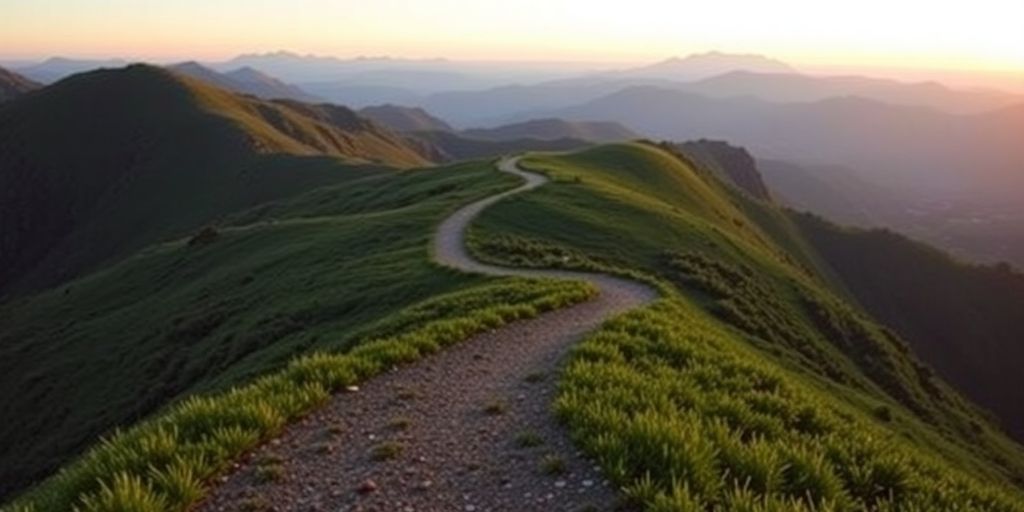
<point>468,429</point>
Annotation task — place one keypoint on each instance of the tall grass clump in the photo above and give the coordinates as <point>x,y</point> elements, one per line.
<point>163,463</point>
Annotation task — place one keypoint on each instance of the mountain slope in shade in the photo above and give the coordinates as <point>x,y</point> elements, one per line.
<point>732,164</point>
<point>964,320</point>
<point>244,80</point>
<point>703,65</point>
<point>554,129</point>
<point>105,162</point>
<point>13,85</point>
<point>265,86</point>
<point>404,119</point>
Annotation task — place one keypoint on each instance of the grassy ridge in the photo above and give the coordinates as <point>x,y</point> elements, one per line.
<point>746,273</point>
<point>315,272</point>
<point>102,164</point>
<point>164,463</point>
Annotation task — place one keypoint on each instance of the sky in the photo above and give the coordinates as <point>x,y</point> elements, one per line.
<point>937,34</point>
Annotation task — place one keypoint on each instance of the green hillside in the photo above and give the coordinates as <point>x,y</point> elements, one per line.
<point>753,385</point>
<point>101,164</point>
<point>318,271</point>
<point>964,319</point>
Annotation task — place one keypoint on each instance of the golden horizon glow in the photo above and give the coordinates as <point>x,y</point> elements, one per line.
<point>983,35</point>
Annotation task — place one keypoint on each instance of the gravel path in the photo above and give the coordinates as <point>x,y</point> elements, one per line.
<point>468,429</point>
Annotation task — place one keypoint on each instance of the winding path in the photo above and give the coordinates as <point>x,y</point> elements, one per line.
<point>455,453</point>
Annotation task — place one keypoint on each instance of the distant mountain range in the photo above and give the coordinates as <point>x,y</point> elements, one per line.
<point>553,129</point>
<point>13,85</point>
<point>56,68</point>
<point>704,65</point>
<point>99,164</point>
<point>897,146</point>
<point>245,80</point>
<point>405,119</point>
<point>533,135</point>
<point>796,88</point>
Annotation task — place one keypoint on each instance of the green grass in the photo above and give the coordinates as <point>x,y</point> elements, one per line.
<point>322,271</point>
<point>529,439</point>
<point>163,462</point>
<point>965,319</point>
<point>387,450</point>
<point>755,353</point>
<point>676,408</point>
<point>553,465</point>
<point>170,154</point>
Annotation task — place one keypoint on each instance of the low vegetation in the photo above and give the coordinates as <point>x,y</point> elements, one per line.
<point>755,383</point>
<point>685,416</point>
<point>164,462</point>
<point>318,271</point>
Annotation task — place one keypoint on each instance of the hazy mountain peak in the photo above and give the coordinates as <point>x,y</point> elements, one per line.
<point>703,65</point>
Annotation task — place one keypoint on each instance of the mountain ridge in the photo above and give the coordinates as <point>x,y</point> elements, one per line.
<point>171,132</point>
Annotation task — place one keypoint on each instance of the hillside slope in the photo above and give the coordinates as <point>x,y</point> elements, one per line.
<point>244,80</point>
<point>103,163</point>
<point>753,384</point>
<point>13,85</point>
<point>316,271</point>
<point>965,320</point>
<point>405,119</point>
<point>756,301</point>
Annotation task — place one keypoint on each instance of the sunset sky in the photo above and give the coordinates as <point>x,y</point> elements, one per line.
<point>976,35</point>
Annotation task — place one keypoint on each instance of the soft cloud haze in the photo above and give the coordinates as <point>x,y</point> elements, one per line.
<point>979,35</point>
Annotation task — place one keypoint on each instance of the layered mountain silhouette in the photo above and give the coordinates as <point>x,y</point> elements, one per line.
<point>13,85</point>
<point>405,119</point>
<point>245,80</point>
<point>56,68</point>
<point>553,129</point>
<point>105,162</point>
<point>794,88</point>
<point>704,65</point>
<point>898,146</point>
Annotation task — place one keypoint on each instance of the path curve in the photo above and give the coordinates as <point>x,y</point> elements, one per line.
<point>450,250</point>
<point>455,456</point>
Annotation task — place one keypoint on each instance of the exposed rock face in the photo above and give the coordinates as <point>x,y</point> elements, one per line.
<point>732,163</point>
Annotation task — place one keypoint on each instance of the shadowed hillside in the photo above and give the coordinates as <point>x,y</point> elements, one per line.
<point>244,80</point>
<point>13,85</point>
<point>319,270</point>
<point>965,320</point>
<point>103,163</point>
<point>405,119</point>
<point>732,164</point>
